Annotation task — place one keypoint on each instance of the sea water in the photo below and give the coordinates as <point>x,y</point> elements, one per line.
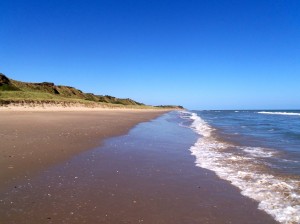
<point>257,151</point>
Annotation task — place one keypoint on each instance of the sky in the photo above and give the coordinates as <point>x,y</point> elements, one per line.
<point>200,54</point>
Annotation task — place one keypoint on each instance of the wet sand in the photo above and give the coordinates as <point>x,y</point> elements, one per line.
<point>34,140</point>
<point>146,176</point>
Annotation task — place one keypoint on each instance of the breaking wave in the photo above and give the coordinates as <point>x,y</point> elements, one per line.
<point>278,195</point>
<point>280,113</point>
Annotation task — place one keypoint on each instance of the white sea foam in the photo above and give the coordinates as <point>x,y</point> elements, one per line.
<point>184,114</point>
<point>290,161</point>
<point>280,113</point>
<point>278,196</point>
<point>200,126</point>
<point>258,151</point>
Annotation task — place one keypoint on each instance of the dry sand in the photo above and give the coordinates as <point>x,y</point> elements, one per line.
<point>35,138</point>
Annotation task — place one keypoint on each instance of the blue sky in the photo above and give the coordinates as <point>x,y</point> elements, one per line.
<point>199,54</point>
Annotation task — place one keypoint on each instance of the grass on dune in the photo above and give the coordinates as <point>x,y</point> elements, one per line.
<point>42,97</point>
<point>21,95</point>
<point>17,92</point>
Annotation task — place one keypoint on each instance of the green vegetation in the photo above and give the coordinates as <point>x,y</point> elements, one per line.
<point>6,87</point>
<point>12,91</point>
<point>170,106</point>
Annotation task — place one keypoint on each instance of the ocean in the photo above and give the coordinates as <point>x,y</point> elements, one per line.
<point>256,151</point>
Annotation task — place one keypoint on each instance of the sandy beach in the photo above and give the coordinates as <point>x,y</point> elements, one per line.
<point>145,176</point>
<point>34,138</point>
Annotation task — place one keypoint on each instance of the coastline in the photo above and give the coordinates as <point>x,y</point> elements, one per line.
<point>145,176</point>
<point>34,138</point>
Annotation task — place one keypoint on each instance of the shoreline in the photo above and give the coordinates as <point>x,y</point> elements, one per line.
<point>34,139</point>
<point>145,176</point>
